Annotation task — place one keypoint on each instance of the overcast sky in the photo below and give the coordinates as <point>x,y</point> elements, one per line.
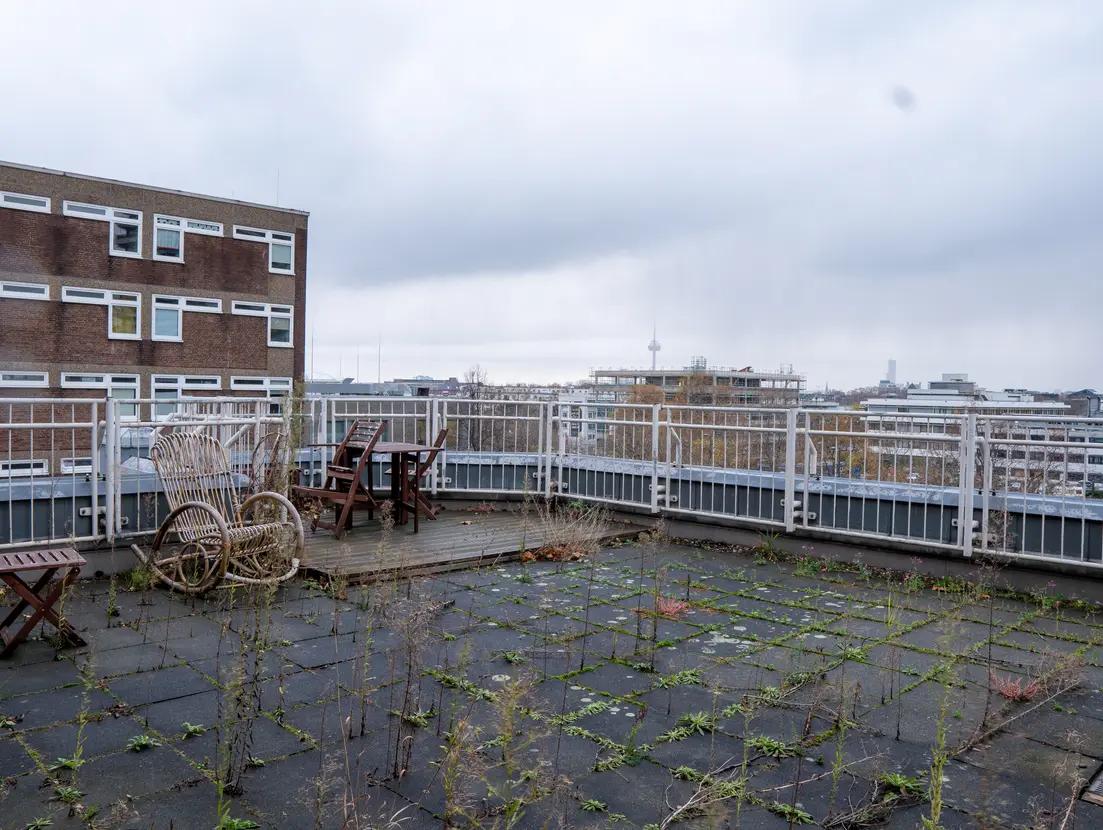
<point>530,185</point>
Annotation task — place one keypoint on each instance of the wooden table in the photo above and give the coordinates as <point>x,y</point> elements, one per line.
<point>404,489</point>
<point>41,596</point>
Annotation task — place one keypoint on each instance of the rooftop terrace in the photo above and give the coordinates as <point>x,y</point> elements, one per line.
<point>653,684</point>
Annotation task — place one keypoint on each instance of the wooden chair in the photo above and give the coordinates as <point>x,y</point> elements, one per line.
<point>423,504</point>
<point>210,533</point>
<point>344,486</point>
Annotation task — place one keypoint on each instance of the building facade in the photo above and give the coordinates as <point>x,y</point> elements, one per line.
<point>700,384</point>
<point>111,289</point>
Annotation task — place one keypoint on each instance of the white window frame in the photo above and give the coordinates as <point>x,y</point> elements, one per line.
<point>270,238</point>
<point>76,465</point>
<point>111,299</point>
<point>38,467</point>
<point>280,386</point>
<point>42,207</point>
<point>275,389</point>
<point>113,216</point>
<point>172,302</point>
<point>246,308</point>
<point>179,384</point>
<point>8,290</point>
<point>108,381</point>
<point>43,381</point>
<point>183,226</point>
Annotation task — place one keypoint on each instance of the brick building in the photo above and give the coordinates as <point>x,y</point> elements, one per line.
<point>111,289</point>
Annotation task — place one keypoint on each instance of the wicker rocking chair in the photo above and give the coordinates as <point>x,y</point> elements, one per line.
<point>214,533</point>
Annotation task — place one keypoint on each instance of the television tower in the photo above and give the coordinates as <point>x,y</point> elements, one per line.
<point>654,347</point>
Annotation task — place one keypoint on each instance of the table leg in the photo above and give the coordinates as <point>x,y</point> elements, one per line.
<point>44,609</point>
<point>415,492</point>
<point>396,488</point>
<point>11,579</point>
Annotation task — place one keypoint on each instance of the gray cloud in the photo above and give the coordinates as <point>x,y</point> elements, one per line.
<point>823,184</point>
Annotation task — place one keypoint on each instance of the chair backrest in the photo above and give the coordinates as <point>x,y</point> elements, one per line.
<point>431,456</point>
<point>194,466</point>
<point>362,435</point>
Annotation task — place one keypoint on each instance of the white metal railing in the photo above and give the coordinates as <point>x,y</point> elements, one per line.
<point>78,469</point>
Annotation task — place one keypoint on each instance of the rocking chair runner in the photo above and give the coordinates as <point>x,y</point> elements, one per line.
<point>344,484</point>
<point>256,541</point>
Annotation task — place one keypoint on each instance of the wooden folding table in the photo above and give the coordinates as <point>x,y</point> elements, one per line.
<point>41,596</point>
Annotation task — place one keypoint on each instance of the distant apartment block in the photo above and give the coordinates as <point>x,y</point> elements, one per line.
<point>111,289</point>
<point>700,384</point>
<point>1022,415</point>
<point>955,395</point>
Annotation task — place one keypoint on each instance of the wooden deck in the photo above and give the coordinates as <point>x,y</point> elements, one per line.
<point>457,539</point>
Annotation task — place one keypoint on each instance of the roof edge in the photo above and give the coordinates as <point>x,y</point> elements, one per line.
<point>155,188</point>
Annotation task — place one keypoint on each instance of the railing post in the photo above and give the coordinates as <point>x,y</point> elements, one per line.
<point>110,474</point>
<point>669,458</point>
<point>434,428</point>
<point>95,447</point>
<point>563,430</point>
<point>258,421</point>
<point>985,483</point>
<point>968,473</point>
<point>790,469</point>
<point>548,433</point>
<point>655,457</point>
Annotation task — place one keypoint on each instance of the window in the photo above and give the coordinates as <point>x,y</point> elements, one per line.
<point>275,389</point>
<point>21,201</point>
<point>125,236</point>
<point>118,387</point>
<point>23,468</point>
<point>169,231</point>
<point>168,239</point>
<point>168,314</point>
<point>24,290</point>
<point>76,465</point>
<point>166,319</point>
<point>281,247</point>
<point>13,379</point>
<point>124,309</point>
<point>171,388</point>
<point>280,325</point>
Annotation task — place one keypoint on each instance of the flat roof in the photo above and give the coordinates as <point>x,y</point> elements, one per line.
<point>86,177</point>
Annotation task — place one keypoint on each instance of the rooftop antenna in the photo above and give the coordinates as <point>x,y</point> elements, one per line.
<point>312,368</point>
<point>357,362</point>
<point>379,360</point>
<point>654,346</point>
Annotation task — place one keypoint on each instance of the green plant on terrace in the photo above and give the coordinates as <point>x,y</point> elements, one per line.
<point>592,805</point>
<point>701,723</point>
<point>421,718</point>
<point>67,795</point>
<point>772,747</point>
<point>140,743</point>
<point>192,730</point>
<point>791,813</point>
<point>686,677</point>
<point>902,785</point>
<point>71,764</point>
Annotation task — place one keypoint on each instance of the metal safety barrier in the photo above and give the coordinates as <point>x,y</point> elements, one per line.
<point>78,470</point>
